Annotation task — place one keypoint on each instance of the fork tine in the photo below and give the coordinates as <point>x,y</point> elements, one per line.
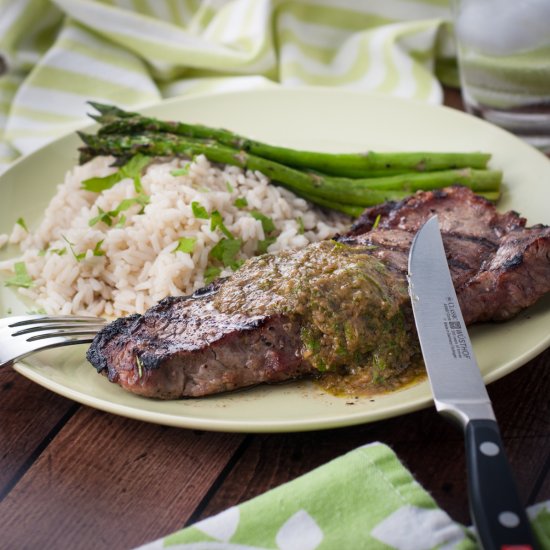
<point>20,352</point>
<point>6,322</point>
<point>31,320</point>
<point>60,328</point>
<point>63,332</point>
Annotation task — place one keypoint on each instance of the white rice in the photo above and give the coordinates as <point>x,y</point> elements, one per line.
<point>138,266</point>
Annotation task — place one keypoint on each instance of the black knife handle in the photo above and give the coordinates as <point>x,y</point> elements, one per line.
<point>498,515</point>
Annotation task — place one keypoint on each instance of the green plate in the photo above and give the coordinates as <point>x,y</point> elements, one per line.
<point>321,119</point>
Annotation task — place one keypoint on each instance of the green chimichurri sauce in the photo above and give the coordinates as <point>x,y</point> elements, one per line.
<point>356,329</point>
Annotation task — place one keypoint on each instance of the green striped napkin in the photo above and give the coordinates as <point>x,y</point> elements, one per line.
<point>365,499</point>
<point>58,54</point>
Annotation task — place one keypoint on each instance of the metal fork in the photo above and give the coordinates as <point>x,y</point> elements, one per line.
<point>20,336</point>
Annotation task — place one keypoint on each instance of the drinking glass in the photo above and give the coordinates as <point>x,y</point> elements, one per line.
<point>504,62</point>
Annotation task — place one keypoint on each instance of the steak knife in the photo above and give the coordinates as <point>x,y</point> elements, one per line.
<point>460,395</point>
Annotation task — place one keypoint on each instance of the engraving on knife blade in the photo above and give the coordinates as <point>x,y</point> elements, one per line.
<point>455,331</point>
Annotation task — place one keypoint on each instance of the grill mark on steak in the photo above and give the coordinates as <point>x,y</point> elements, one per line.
<point>460,212</point>
<point>512,279</point>
<point>464,252</point>
<point>186,347</point>
<point>187,331</point>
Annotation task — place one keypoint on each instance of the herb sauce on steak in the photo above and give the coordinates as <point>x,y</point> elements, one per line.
<point>351,308</point>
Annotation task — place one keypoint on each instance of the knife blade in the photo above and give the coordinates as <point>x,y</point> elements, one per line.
<point>460,395</point>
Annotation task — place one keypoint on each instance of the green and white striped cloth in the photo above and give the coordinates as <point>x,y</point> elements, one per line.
<point>58,54</point>
<point>365,499</point>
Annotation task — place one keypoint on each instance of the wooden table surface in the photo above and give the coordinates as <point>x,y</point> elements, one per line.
<point>74,477</point>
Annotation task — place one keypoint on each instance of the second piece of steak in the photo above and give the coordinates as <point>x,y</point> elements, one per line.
<point>337,309</point>
<point>498,265</point>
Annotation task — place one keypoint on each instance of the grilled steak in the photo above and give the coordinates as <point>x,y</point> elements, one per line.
<point>337,310</point>
<point>498,265</point>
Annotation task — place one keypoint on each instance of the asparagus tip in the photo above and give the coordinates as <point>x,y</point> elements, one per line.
<point>110,110</point>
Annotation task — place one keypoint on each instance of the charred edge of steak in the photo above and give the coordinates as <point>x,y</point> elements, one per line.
<point>366,221</point>
<point>209,289</point>
<point>95,354</point>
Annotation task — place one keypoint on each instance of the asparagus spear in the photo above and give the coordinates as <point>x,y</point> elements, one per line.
<point>358,192</point>
<point>352,165</point>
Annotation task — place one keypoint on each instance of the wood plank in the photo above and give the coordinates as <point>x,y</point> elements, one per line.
<point>29,415</point>
<point>521,398</point>
<point>429,446</point>
<point>273,459</point>
<point>114,481</point>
